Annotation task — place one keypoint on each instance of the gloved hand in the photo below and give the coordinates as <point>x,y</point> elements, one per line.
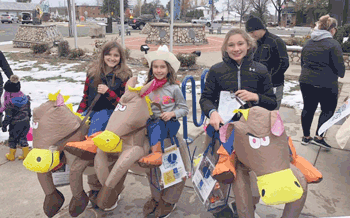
<point>4,128</point>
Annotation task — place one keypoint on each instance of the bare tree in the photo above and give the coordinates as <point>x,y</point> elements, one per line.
<point>241,7</point>
<point>278,6</point>
<point>99,2</point>
<point>260,8</point>
<point>300,7</point>
<point>137,8</point>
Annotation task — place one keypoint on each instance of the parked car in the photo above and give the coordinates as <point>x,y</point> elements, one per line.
<point>141,21</point>
<point>9,18</point>
<point>27,18</point>
<point>202,20</point>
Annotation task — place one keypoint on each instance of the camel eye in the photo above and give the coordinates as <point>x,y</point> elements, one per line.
<point>35,125</point>
<point>122,107</point>
<point>254,142</point>
<point>265,141</point>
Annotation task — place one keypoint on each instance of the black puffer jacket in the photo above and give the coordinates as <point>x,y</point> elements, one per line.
<point>322,60</point>
<point>272,52</point>
<point>223,76</point>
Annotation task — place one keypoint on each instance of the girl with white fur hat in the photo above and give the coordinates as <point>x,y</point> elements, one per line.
<point>162,89</point>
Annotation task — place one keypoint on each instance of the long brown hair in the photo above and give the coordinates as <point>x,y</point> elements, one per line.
<point>170,76</point>
<point>250,41</point>
<point>98,67</point>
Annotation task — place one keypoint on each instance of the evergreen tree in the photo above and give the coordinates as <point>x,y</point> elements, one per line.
<point>110,6</point>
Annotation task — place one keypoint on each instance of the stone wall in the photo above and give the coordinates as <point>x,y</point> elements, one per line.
<point>184,34</point>
<point>27,35</point>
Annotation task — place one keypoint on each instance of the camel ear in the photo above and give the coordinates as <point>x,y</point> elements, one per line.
<point>226,131</point>
<point>60,100</point>
<point>277,127</point>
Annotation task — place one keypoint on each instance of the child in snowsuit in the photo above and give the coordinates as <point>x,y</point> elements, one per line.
<point>17,117</point>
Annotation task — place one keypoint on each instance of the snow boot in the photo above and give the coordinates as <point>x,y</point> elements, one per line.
<point>25,151</point>
<point>11,156</point>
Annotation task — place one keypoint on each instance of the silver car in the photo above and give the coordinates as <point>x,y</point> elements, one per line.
<point>9,18</point>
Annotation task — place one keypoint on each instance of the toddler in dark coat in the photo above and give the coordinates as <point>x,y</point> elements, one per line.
<point>17,117</point>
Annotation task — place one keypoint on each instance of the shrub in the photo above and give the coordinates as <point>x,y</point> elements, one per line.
<point>186,60</point>
<point>346,46</point>
<point>63,49</point>
<point>76,53</point>
<point>40,48</point>
<point>127,53</point>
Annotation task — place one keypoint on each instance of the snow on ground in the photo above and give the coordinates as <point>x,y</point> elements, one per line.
<point>63,77</point>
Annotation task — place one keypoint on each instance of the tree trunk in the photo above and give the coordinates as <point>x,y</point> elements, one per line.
<point>70,26</point>
<point>345,12</point>
<point>279,17</point>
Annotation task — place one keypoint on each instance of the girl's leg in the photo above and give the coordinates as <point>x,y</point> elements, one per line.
<point>12,144</point>
<point>328,105</point>
<point>310,98</point>
<point>23,141</point>
<point>99,120</point>
<point>156,131</point>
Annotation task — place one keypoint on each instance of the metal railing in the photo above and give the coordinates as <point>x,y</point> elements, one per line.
<point>194,104</point>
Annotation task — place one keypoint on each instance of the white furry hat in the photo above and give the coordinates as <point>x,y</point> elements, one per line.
<point>163,54</point>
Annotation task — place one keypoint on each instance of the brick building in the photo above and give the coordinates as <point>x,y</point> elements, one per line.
<point>89,11</point>
<point>80,10</point>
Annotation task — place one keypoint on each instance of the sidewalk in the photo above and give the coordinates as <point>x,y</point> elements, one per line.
<point>22,196</point>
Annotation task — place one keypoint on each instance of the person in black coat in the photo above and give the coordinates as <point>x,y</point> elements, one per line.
<point>247,79</point>
<point>8,72</point>
<point>322,64</point>
<point>271,52</point>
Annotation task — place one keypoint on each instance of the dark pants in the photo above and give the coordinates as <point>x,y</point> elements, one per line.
<point>18,134</point>
<point>327,97</point>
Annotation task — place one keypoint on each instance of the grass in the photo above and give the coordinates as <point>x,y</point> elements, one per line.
<point>67,79</point>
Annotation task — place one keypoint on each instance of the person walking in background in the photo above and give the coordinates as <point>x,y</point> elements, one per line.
<point>272,52</point>
<point>8,72</point>
<point>18,114</point>
<point>322,64</point>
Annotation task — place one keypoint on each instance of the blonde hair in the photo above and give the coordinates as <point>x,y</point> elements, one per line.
<point>98,67</point>
<point>250,41</point>
<point>326,23</point>
<point>170,76</point>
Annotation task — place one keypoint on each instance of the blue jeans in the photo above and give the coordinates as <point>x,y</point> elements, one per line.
<point>99,120</point>
<point>158,130</point>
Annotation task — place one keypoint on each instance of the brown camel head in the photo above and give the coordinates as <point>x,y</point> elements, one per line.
<point>261,144</point>
<point>130,115</point>
<point>52,121</point>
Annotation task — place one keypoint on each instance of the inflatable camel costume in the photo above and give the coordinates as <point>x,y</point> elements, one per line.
<point>260,145</point>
